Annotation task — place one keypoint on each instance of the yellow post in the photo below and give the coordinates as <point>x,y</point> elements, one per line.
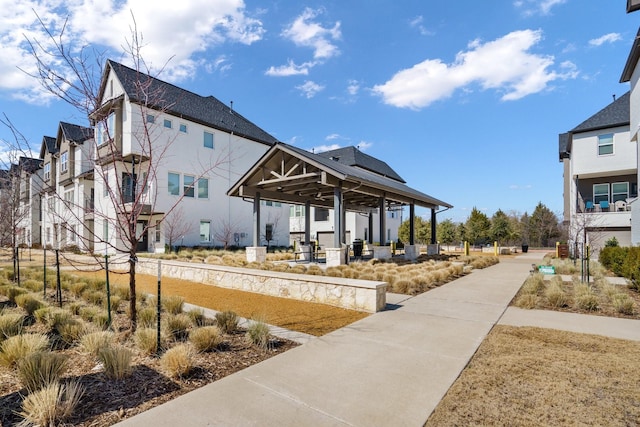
<point>495,248</point>
<point>557,249</point>
<point>393,248</point>
<point>466,248</point>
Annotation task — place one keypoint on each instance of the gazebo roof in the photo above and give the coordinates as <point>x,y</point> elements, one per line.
<point>291,175</point>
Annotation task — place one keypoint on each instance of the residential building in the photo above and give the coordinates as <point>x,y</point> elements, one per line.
<point>600,176</point>
<point>358,225</point>
<point>29,181</point>
<point>164,159</point>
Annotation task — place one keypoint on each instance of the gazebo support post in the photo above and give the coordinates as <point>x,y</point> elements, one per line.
<point>411,251</point>
<point>433,248</point>
<point>336,255</point>
<point>256,252</point>
<point>383,251</point>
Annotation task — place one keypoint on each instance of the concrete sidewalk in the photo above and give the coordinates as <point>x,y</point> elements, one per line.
<point>391,368</point>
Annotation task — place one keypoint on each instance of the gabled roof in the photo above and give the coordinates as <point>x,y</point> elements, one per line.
<point>29,164</point>
<point>292,175</point>
<point>207,111</point>
<point>48,145</point>
<point>633,5</point>
<point>564,139</point>
<point>5,178</point>
<point>75,133</point>
<point>351,156</point>
<point>632,60</point>
<point>613,115</point>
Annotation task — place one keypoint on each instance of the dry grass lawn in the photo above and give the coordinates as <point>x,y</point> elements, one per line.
<point>314,319</point>
<point>532,377</point>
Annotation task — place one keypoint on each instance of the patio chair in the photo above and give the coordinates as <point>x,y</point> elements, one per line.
<point>588,206</point>
<point>604,205</point>
<point>620,206</point>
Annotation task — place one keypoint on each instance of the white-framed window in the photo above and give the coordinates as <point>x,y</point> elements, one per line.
<point>48,239</point>
<point>187,183</point>
<point>68,197</point>
<point>47,171</point>
<point>64,162</point>
<point>158,235</point>
<point>173,183</point>
<point>105,185</point>
<point>151,118</point>
<point>205,231</point>
<point>605,144</point>
<point>105,230</point>
<point>168,124</point>
<point>203,188</point>
<point>208,139</point>
<point>296,211</point>
<point>106,128</point>
<point>51,204</point>
<point>600,193</point>
<point>72,233</point>
<point>619,191</point>
<point>183,128</point>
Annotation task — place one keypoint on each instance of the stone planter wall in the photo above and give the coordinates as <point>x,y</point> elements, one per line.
<point>353,294</point>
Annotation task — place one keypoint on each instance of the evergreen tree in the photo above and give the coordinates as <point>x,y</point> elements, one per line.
<point>544,226</point>
<point>477,227</point>
<point>446,232</point>
<point>500,226</point>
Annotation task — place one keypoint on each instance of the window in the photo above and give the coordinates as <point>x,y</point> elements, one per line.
<point>105,230</point>
<point>366,234</point>
<point>127,187</point>
<point>268,232</point>
<point>106,129</point>
<point>168,124</point>
<point>105,187</point>
<point>619,191</point>
<point>183,128</point>
<point>388,234</point>
<point>321,214</point>
<point>72,233</point>
<point>605,144</point>
<point>68,198</point>
<point>208,140</point>
<point>188,185</point>
<point>151,118</point>
<point>64,162</point>
<point>205,231</point>
<point>48,234</point>
<point>47,171</point>
<point>157,231</point>
<point>391,214</point>
<point>600,193</point>
<point>296,211</point>
<point>174,184</point>
<point>203,188</point>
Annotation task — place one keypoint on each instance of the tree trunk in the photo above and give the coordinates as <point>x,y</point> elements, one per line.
<point>133,316</point>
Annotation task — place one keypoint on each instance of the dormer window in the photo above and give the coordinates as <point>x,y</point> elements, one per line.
<point>64,162</point>
<point>106,129</point>
<point>47,171</point>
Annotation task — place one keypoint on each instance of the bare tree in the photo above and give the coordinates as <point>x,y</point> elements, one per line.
<point>174,226</point>
<point>226,231</point>
<point>126,178</point>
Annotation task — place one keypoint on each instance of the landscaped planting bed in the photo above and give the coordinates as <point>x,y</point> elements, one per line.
<point>67,365</point>
<point>596,297</point>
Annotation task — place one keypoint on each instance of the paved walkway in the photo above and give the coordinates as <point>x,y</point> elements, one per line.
<point>391,368</point>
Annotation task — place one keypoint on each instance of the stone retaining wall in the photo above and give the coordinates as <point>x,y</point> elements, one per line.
<point>353,294</point>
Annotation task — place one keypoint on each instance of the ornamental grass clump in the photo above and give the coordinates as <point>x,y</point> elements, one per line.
<point>533,284</point>
<point>556,296</point>
<point>205,338</point>
<point>624,304</point>
<point>72,331</point>
<point>146,340</point>
<point>94,341</point>
<point>41,369</point>
<point>585,298</point>
<point>10,325</point>
<point>12,292</point>
<point>51,405</point>
<point>17,347</point>
<point>258,334</point>
<point>147,317</point>
<point>227,321</point>
<point>177,326</point>
<point>33,285</point>
<point>116,361</point>
<point>29,303</point>
<point>173,304</point>
<point>197,317</point>
<point>528,301</point>
<point>178,361</point>
<point>88,312</point>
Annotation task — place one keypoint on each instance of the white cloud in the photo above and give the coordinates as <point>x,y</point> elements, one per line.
<point>607,38</point>
<point>310,89</point>
<point>364,145</point>
<point>174,33</point>
<point>417,23</point>
<point>353,87</point>
<point>537,7</point>
<point>291,69</point>
<point>323,148</point>
<point>304,31</point>
<point>504,64</point>
<point>332,137</point>
<point>520,187</point>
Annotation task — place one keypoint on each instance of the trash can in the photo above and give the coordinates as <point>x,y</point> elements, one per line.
<point>357,248</point>
<point>525,248</point>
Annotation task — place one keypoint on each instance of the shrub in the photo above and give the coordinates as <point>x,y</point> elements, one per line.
<point>623,304</point>
<point>94,297</point>
<point>115,303</point>
<point>122,291</point>
<point>533,284</point>
<point>28,303</point>
<point>587,301</point>
<point>146,340</point>
<point>197,317</point>
<point>631,266</point>
<point>33,285</point>
<point>258,334</point>
<point>227,321</point>
<point>101,319</point>
<point>19,346</point>
<point>401,286</point>
<point>10,325</point>
<point>89,312</point>
<point>611,243</point>
<point>116,361</point>
<point>206,338</point>
<point>173,304</point>
<point>177,326</point>
<point>41,369</point>
<point>42,314</point>
<point>77,288</point>
<point>92,342</point>
<point>56,317</point>
<point>71,331</point>
<point>178,361</point>
<point>12,292</point>
<point>51,405</point>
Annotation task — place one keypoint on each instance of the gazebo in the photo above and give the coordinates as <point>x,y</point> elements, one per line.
<point>291,175</point>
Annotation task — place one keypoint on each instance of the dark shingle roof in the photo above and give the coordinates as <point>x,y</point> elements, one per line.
<point>75,133</point>
<point>614,114</point>
<point>5,178</point>
<point>563,145</point>
<point>29,164</point>
<point>207,111</point>
<point>351,156</point>
<point>632,60</point>
<point>48,144</point>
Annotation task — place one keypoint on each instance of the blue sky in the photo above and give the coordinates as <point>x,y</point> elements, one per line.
<point>465,100</point>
